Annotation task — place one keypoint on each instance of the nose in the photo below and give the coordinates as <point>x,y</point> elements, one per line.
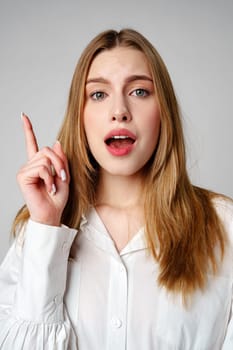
<point>121,117</point>
<point>120,111</point>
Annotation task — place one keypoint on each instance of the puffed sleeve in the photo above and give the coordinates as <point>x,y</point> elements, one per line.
<point>32,285</point>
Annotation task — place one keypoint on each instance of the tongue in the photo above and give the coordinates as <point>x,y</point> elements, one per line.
<point>121,143</point>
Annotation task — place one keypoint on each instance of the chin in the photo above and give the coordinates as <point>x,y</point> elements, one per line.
<point>121,167</point>
<point>122,171</point>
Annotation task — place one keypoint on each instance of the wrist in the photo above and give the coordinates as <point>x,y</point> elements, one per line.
<point>49,221</point>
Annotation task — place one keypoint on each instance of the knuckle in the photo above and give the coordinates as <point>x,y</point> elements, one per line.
<point>45,149</point>
<point>45,161</point>
<point>44,168</point>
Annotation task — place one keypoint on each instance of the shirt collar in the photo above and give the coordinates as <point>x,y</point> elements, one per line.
<point>94,230</point>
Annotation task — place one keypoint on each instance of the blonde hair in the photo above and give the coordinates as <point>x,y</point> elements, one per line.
<point>182,227</point>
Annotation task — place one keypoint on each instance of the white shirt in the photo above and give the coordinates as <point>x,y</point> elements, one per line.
<point>111,300</point>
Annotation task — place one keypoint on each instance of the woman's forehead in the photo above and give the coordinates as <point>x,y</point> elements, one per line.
<point>125,60</point>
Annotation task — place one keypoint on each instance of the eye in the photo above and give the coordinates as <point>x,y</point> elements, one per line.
<point>98,95</point>
<point>140,93</point>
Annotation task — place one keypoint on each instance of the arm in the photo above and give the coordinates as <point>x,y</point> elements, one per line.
<point>32,285</point>
<point>33,277</point>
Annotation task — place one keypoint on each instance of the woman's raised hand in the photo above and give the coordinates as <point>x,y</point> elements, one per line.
<point>44,180</point>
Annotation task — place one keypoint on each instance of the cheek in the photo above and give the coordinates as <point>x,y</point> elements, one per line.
<point>156,126</point>
<point>92,116</point>
<point>151,125</point>
<point>93,127</point>
<point>89,122</point>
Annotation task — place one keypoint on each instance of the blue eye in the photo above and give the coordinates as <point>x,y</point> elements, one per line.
<point>140,93</point>
<point>98,95</point>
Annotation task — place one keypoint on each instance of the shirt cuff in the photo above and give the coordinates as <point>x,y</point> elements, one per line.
<point>42,277</point>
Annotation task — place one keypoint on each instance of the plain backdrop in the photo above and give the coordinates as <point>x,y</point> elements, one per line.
<point>40,42</point>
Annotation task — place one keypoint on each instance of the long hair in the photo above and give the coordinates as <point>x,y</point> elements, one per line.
<point>182,227</point>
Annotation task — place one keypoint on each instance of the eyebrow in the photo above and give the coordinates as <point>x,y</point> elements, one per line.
<point>128,80</point>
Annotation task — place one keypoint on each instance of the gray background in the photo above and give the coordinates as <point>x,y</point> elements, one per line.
<point>40,42</point>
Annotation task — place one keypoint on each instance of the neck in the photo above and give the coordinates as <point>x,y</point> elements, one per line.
<point>122,192</point>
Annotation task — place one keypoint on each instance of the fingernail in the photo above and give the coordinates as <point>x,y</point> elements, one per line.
<point>22,115</point>
<point>63,175</point>
<point>54,190</point>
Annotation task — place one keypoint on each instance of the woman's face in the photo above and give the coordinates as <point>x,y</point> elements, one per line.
<point>121,114</point>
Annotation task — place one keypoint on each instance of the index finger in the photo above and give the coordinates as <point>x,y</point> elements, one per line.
<point>30,138</point>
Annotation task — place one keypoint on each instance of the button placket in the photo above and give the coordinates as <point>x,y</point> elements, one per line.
<point>118,295</point>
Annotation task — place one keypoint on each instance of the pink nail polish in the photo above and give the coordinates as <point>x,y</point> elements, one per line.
<point>63,175</point>
<point>54,190</point>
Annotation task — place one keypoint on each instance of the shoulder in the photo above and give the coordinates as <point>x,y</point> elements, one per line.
<point>224,208</point>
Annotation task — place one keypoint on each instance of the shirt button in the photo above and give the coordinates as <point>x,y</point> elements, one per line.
<point>116,322</point>
<point>121,269</point>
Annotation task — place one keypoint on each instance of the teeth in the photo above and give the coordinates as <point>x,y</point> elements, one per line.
<point>120,137</point>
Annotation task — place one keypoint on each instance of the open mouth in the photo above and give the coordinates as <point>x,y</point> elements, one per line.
<point>119,141</point>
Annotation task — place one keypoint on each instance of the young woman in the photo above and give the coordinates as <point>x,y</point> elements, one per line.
<point>115,248</point>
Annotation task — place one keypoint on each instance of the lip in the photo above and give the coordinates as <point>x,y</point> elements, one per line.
<point>120,132</point>
<point>120,151</point>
